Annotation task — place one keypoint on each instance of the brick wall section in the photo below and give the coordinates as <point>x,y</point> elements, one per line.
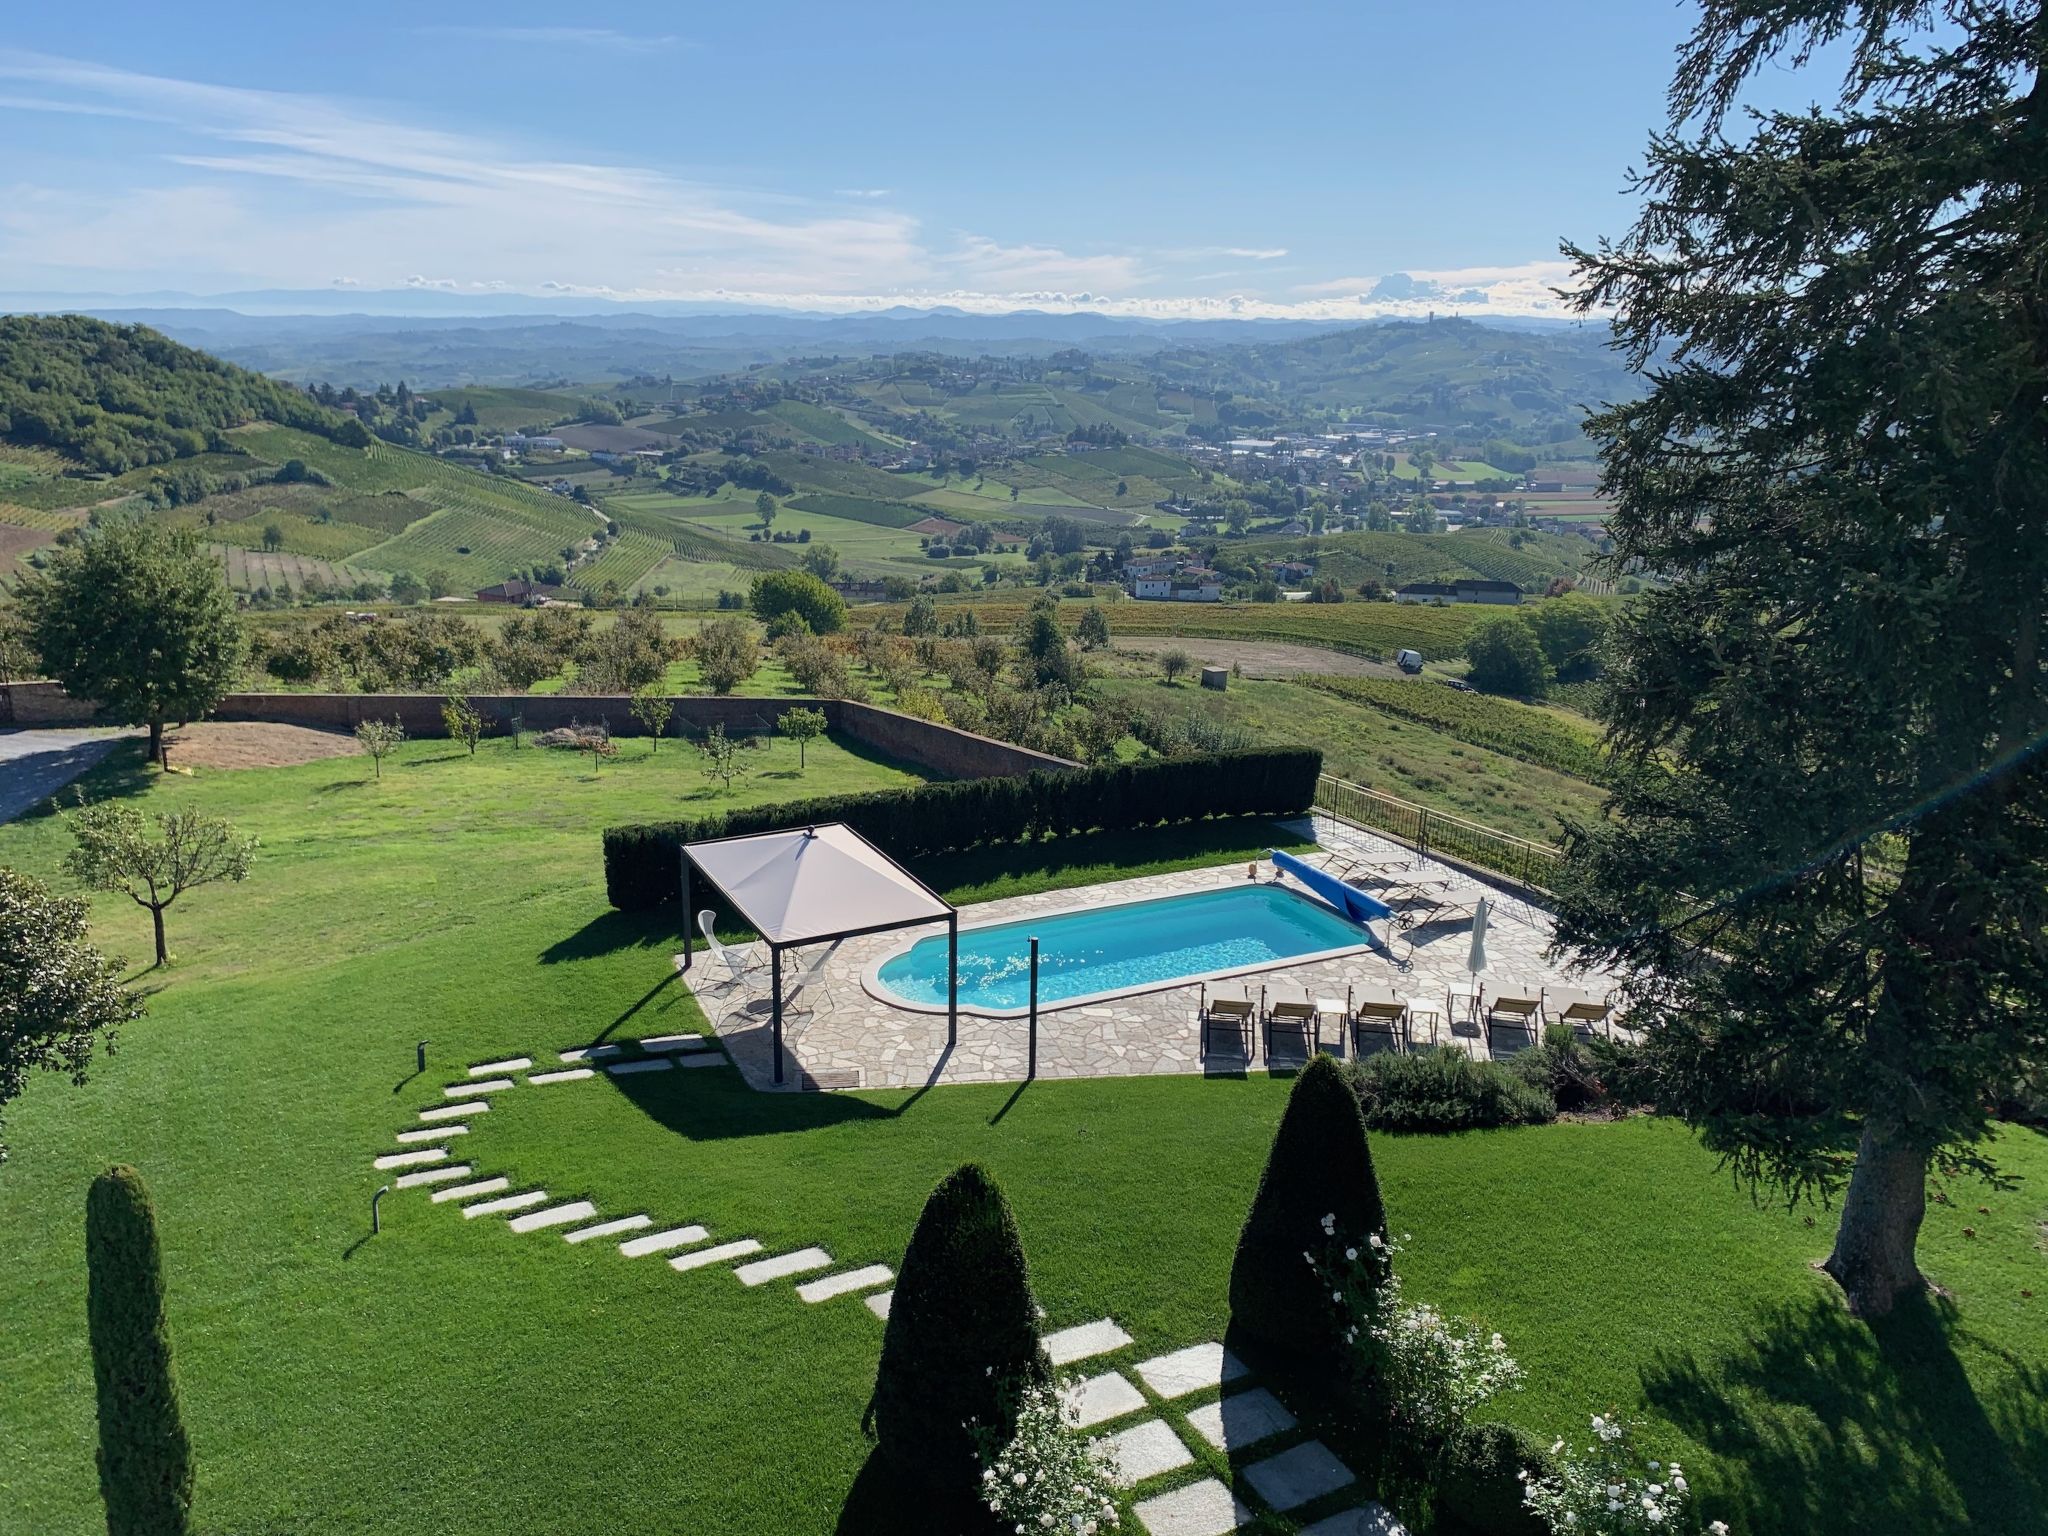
<point>939,749</point>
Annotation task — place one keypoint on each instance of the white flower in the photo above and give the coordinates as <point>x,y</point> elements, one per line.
<point>1656,1466</point>
<point>1556,1447</point>
<point>1718,1528</point>
<point>1678,1482</point>
<point>1377,1242</point>
<point>1614,1490</point>
<point>1351,1253</point>
<point>1336,1296</point>
<point>989,1475</point>
<point>1019,1479</point>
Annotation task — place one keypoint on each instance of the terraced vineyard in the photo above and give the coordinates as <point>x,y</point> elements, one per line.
<point>1545,737</point>
<point>627,560</point>
<point>249,569</point>
<point>302,535</point>
<point>693,543</point>
<point>472,548</point>
<point>884,514</point>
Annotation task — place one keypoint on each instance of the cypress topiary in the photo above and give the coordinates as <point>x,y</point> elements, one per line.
<point>961,1342</point>
<point>1320,1166</point>
<point>1479,1481</point>
<point>145,1460</point>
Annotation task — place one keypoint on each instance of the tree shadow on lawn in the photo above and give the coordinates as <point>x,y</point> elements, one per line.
<point>613,931</point>
<point>123,773</point>
<point>879,1505</point>
<point>1823,1423</point>
<point>715,1104</point>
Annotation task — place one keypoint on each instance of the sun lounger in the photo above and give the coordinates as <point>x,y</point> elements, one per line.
<point>1375,1010</point>
<point>1233,1014</point>
<point>1516,1004</point>
<point>1581,1010</point>
<point>1301,1017</point>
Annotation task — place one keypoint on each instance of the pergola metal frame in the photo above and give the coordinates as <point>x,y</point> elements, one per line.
<point>691,870</point>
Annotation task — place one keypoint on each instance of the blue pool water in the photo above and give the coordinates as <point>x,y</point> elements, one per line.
<point>1117,949</point>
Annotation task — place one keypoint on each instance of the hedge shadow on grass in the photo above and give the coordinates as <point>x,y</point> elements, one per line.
<point>1823,1423</point>
<point>613,931</point>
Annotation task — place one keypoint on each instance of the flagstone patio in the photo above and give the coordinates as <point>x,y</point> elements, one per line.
<point>852,1039</point>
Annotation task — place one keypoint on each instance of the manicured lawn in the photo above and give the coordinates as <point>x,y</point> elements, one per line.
<point>450,1376</point>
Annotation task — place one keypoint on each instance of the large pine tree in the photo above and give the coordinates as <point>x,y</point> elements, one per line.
<point>1827,870</point>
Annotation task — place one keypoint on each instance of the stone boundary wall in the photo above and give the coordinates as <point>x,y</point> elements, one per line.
<point>940,749</point>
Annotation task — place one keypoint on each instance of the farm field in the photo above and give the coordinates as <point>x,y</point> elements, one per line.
<point>501,409</point>
<point>1550,738</point>
<point>461,900</point>
<point>250,570</point>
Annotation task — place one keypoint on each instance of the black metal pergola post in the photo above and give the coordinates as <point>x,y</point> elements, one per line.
<point>690,870</point>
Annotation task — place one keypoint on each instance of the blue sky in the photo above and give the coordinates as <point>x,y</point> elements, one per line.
<point>1188,160</point>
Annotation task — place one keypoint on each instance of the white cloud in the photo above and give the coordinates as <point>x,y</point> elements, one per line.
<point>559,37</point>
<point>231,187</point>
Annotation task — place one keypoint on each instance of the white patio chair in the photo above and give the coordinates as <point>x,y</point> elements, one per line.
<point>737,966</point>
<point>802,994</point>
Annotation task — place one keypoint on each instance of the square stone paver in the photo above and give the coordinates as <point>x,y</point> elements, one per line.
<point>494,1068</point>
<point>520,1202</point>
<point>879,1304</point>
<point>661,1242</point>
<point>644,1064</point>
<point>433,1133</point>
<point>566,1075</point>
<point>1190,1370</point>
<point>1145,1450</point>
<point>410,1159</point>
<point>1243,1419</point>
<point>488,1085</point>
<point>783,1265</point>
<point>1296,1476</point>
<point>674,1043</point>
<point>1101,1398</point>
<point>1206,1508</point>
<point>454,1111</point>
<point>1097,1338</point>
<point>1368,1519</point>
<point>608,1228</point>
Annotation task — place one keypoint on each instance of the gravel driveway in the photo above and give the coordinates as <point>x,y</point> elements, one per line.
<point>35,764</point>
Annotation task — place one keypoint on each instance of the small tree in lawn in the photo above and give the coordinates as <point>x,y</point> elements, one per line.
<point>145,1459</point>
<point>653,708</point>
<point>464,721</point>
<point>380,738</point>
<point>1173,665</point>
<point>58,995</point>
<point>961,1344</point>
<point>722,757</point>
<point>802,726</point>
<point>137,617</point>
<point>115,852</point>
<point>1318,1185</point>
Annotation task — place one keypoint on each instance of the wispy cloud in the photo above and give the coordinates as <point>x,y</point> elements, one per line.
<point>605,38</point>
<point>868,192</point>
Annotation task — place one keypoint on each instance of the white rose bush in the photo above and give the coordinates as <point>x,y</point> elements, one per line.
<point>1051,1476</point>
<point>1607,1488</point>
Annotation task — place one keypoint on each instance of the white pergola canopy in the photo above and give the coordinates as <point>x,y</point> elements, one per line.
<point>817,883</point>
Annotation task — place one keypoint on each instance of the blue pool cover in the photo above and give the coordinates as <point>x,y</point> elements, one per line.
<point>1348,899</point>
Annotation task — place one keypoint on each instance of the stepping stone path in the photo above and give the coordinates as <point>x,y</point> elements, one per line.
<point>471,1191</point>
<point>555,1216</point>
<point>455,1111</point>
<point>1145,1451</point>
<point>434,1176</point>
<point>1090,1339</point>
<point>1206,1508</point>
<point>433,1133</point>
<point>591,1052</point>
<point>532,1197</point>
<point>1369,1519</point>
<point>847,1280</point>
<point>1298,1476</point>
<point>718,1255</point>
<point>879,1305</point>
<point>702,1059</point>
<point>493,1068</point>
<point>1245,1419</point>
<point>783,1265</point>
<point>567,1075</point>
<point>608,1228</point>
<point>645,1064</point>
<point>489,1085</point>
<point>661,1242</point>
<point>1191,1370</point>
<point>410,1159</point>
<point>674,1043</point>
<point>1101,1398</point>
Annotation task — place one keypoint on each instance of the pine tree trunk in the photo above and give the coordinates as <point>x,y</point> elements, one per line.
<point>157,916</point>
<point>1873,1259</point>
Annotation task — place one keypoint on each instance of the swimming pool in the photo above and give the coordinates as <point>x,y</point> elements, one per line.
<point>1097,951</point>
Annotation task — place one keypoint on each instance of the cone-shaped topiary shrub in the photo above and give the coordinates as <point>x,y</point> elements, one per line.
<point>145,1459</point>
<point>1479,1481</point>
<point>1319,1167</point>
<point>961,1343</point>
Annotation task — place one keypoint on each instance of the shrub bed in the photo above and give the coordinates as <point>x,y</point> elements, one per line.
<point>1441,1089</point>
<point>1479,1482</point>
<point>641,862</point>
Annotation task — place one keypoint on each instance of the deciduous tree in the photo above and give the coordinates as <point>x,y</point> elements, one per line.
<point>59,996</point>
<point>464,721</point>
<point>138,617</point>
<point>379,738</point>
<point>802,726</point>
<point>653,708</point>
<point>114,851</point>
<point>1824,880</point>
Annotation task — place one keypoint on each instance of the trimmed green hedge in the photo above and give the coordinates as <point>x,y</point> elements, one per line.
<point>642,869</point>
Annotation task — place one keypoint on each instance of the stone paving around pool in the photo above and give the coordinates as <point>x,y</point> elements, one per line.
<point>852,1039</point>
<point>1155,1413</point>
